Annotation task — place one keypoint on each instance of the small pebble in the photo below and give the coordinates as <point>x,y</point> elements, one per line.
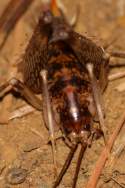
<point>30,146</point>
<point>43,186</point>
<point>16,176</point>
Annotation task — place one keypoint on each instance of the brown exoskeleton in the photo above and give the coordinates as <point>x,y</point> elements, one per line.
<point>70,71</point>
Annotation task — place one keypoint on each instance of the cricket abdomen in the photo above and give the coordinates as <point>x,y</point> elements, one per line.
<point>68,83</point>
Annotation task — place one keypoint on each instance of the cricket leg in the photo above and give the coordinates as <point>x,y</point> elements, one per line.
<point>20,87</point>
<point>82,151</point>
<point>117,54</point>
<point>65,166</point>
<point>48,116</point>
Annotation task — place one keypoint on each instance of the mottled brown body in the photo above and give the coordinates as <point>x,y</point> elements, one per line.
<point>68,86</point>
<point>70,71</point>
<point>65,62</point>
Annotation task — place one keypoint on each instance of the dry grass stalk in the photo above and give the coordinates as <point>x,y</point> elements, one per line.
<point>104,155</point>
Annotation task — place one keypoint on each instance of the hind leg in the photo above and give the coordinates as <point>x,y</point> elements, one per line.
<point>17,85</point>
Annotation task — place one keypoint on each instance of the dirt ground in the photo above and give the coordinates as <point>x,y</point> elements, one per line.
<point>23,141</point>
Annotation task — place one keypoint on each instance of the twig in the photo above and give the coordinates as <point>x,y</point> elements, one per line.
<point>21,112</point>
<point>116,76</point>
<point>104,155</point>
<point>118,148</point>
<point>12,13</point>
<point>118,183</point>
<point>36,133</point>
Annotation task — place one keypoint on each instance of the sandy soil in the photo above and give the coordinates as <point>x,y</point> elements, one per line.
<point>23,141</point>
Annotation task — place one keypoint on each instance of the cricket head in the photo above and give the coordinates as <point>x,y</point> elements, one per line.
<point>61,30</point>
<point>47,17</point>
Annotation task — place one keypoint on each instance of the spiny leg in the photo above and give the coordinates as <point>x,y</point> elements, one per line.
<point>116,64</point>
<point>66,165</point>
<point>97,98</point>
<point>20,87</point>
<point>83,148</point>
<point>117,54</point>
<point>121,74</point>
<point>49,115</point>
<point>5,88</point>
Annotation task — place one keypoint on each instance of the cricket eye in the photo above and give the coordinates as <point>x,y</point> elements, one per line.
<point>47,17</point>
